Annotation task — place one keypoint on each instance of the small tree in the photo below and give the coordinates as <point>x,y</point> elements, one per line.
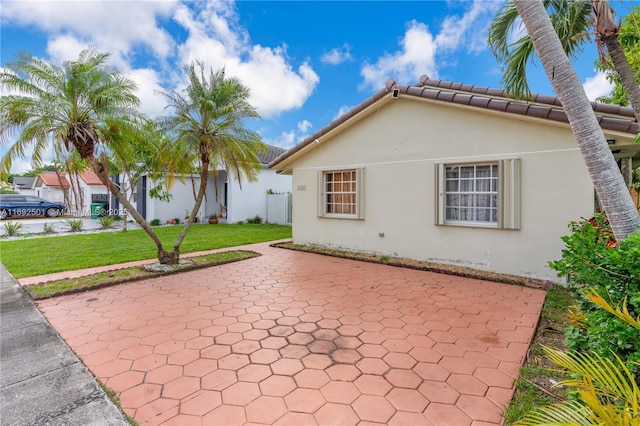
<point>208,124</point>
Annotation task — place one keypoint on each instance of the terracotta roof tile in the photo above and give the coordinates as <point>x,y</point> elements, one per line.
<point>51,180</point>
<point>90,178</point>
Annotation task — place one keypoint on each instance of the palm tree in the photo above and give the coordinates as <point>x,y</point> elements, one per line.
<point>83,106</point>
<point>208,121</point>
<point>602,167</point>
<point>571,20</point>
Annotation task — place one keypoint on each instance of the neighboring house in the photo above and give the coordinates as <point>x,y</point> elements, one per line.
<point>24,185</point>
<point>238,201</point>
<point>91,191</point>
<point>52,187</point>
<point>451,173</point>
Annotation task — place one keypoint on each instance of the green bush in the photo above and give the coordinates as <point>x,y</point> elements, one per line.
<point>107,222</point>
<point>155,222</point>
<point>593,258</point>
<point>256,219</point>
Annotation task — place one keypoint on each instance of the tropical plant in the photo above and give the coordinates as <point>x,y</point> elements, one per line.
<point>602,167</point>
<point>12,228</point>
<point>84,106</point>
<point>572,20</point>
<point>107,222</point>
<point>608,392</point>
<point>595,262</point>
<point>155,222</point>
<point>75,225</point>
<point>209,124</point>
<point>48,228</point>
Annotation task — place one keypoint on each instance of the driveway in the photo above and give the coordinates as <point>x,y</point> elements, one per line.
<point>304,339</point>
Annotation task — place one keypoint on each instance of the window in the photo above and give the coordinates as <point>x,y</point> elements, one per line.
<point>479,194</point>
<point>341,194</point>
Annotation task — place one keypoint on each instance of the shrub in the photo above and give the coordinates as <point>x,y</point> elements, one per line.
<point>155,222</point>
<point>48,228</point>
<point>594,259</point>
<point>106,222</point>
<point>240,222</point>
<point>12,228</point>
<point>75,225</point>
<point>606,392</point>
<point>256,219</point>
<point>171,222</point>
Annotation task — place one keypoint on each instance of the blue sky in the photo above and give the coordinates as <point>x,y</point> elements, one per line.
<point>305,62</point>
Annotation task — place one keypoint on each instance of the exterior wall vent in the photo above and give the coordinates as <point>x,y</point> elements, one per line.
<point>395,94</point>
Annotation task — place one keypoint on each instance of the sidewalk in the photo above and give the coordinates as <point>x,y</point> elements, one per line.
<point>41,379</point>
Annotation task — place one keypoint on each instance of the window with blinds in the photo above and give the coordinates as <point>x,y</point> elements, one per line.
<point>341,193</point>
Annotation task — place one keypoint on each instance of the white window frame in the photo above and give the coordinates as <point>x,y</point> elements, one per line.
<point>323,210</point>
<point>508,194</point>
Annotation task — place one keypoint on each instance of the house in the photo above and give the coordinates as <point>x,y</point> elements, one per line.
<point>236,201</point>
<point>52,187</point>
<point>89,190</point>
<point>24,185</point>
<point>450,173</point>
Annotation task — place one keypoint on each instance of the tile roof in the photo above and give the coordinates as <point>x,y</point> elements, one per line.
<point>90,178</point>
<point>271,154</point>
<point>51,180</point>
<point>610,117</point>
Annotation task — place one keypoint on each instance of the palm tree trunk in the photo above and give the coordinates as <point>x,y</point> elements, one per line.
<point>101,171</point>
<point>597,156</point>
<point>204,177</point>
<point>624,71</point>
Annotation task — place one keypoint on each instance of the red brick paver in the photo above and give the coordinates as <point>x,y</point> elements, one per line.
<point>304,339</point>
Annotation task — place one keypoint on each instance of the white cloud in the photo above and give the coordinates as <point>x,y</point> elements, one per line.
<point>215,38</point>
<point>286,139</point>
<point>422,52</point>
<point>304,126</point>
<point>342,111</point>
<point>108,25</point>
<point>597,86</point>
<point>148,83</point>
<point>337,55</point>
<point>416,57</point>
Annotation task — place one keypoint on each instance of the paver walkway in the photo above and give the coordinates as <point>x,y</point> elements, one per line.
<point>303,339</point>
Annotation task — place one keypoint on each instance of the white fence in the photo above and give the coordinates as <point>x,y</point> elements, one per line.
<point>279,209</point>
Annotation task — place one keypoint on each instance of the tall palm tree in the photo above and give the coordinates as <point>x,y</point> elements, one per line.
<point>572,20</point>
<point>83,106</point>
<point>597,156</point>
<point>208,121</point>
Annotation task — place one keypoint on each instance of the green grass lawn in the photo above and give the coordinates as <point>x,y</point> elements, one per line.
<point>38,256</point>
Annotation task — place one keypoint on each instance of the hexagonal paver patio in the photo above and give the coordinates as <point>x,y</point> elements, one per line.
<point>294,338</point>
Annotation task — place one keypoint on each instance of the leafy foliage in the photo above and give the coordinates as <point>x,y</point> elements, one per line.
<point>593,259</point>
<point>630,40</point>
<point>256,219</point>
<point>608,392</point>
<point>570,19</point>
